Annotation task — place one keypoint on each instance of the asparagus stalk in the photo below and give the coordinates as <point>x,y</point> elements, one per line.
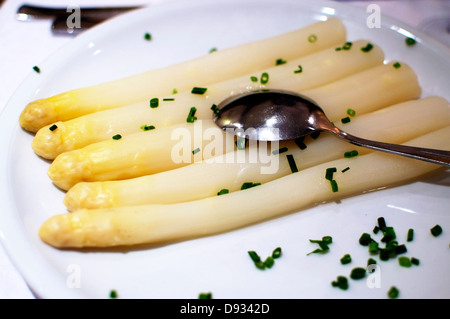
<point>150,224</point>
<point>207,178</point>
<point>317,69</point>
<point>202,71</point>
<point>153,151</point>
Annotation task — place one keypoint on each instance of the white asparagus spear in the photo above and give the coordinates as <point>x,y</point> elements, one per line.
<point>318,69</point>
<point>211,68</point>
<point>150,224</point>
<point>207,178</point>
<point>153,151</point>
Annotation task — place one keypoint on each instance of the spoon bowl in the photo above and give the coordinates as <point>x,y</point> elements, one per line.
<point>276,115</point>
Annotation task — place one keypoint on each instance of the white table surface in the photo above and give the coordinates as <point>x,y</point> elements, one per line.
<point>24,44</point>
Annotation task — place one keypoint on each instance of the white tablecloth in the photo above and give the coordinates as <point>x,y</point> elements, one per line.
<point>24,44</point>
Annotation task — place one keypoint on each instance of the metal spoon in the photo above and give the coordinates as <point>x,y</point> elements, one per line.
<point>274,115</point>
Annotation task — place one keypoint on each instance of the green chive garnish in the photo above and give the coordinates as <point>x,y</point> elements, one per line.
<point>154,102</point>
<point>351,112</point>
<point>393,292</point>
<point>280,62</point>
<point>358,273</point>
<point>329,173</point>
<point>174,91</point>
<point>415,261</point>
<point>198,90</point>
<point>264,78</point>
<point>347,46</point>
<point>345,120</point>
<point>241,142</point>
<point>323,244</point>
<point>249,185</point>
<point>113,294</point>
<point>254,79</point>
<point>396,65</point>
<point>340,282</point>
<point>223,192</point>
<point>36,69</point>
<point>410,235</point>
<point>299,70</point>
<point>436,230</point>
<point>212,50</point>
<point>269,262</point>
<point>191,118</point>
<point>168,99</point>
<point>205,295</point>
<point>147,36</point>
<point>351,154</point>
<point>346,259</point>
<point>345,169</point>
<point>276,252</point>
<point>215,109</point>
<point>365,239</point>
<point>117,137</point>
<point>196,151</point>
<point>292,163</point>
<point>53,127</point>
<point>404,262</point>
<point>312,38</point>
<point>147,127</point>
<point>410,41</point>
<point>300,143</point>
<point>280,150</point>
<point>334,186</point>
<point>367,48</point>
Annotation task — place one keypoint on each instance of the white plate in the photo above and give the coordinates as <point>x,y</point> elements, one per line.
<point>220,264</point>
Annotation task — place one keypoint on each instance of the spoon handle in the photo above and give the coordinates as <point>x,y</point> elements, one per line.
<point>441,157</point>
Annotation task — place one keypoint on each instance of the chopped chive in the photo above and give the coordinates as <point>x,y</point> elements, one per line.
<point>334,186</point>
<point>212,50</point>
<point>393,292</point>
<point>415,261</point>
<point>345,120</point>
<point>264,78</point>
<point>365,239</point>
<point>53,127</point>
<point>346,259</point>
<point>198,90</point>
<point>323,244</point>
<point>117,137</point>
<point>147,127</point>
<point>276,252</point>
<point>269,262</point>
<point>389,234</point>
<point>154,102</point>
<point>340,282</point>
<point>312,38</point>
<point>191,118</point>
<point>404,262</point>
<point>373,247</point>
<point>254,78</point>
<point>315,135</point>
<point>329,173</point>
<point>254,256</point>
<point>367,48</point>
<point>410,41</point>
<point>338,49</point>
<point>371,261</point>
<point>300,143</point>
<point>205,295</point>
<point>376,229</point>
<point>351,112</point>
<point>381,222</point>
<point>36,69</point>
<point>247,185</point>
<point>215,109</point>
<point>347,46</point>
<point>345,169</point>
<point>241,142</point>
<point>436,230</point>
<point>299,70</point>
<point>358,273</point>
<point>168,99</point>
<point>280,150</point>
<point>113,294</point>
<point>147,36</point>
<point>351,154</point>
<point>400,249</point>
<point>196,151</point>
<point>397,65</point>
<point>280,62</point>
<point>223,192</point>
<point>292,163</point>
<point>174,91</point>
<point>410,235</point>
